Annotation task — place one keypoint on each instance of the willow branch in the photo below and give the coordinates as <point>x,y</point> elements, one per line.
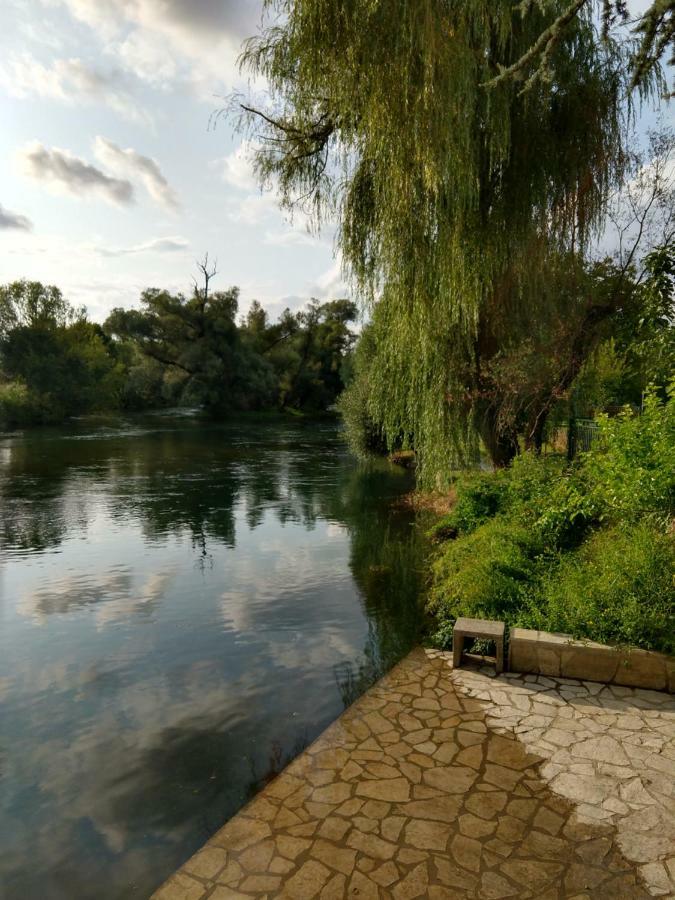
<point>541,47</point>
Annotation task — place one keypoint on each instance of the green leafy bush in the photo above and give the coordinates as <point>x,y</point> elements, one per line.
<point>17,405</point>
<point>480,497</point>
<point>486,574</point>
<point>632,473</point>
<point>618,588</point>
<point>586,549</point>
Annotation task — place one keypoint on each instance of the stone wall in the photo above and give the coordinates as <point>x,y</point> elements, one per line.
<point>544,653</point>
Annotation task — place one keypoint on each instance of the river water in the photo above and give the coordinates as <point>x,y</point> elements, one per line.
<point>183,607</point>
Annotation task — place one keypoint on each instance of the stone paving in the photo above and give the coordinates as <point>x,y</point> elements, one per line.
<point>445,783</point>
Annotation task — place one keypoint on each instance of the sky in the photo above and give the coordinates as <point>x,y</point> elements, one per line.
<point>113,178</point>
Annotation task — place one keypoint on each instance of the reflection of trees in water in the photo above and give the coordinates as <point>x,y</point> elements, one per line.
<point>387,572</point>
<point>385,560</point>
<point>196,480</point>
<point>32,504</point>
<point>184,781</point>
<point>180,779</point>
<point>277,760</point>
<point>192,778</point>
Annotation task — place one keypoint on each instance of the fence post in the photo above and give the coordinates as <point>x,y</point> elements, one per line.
<point>572,430</point>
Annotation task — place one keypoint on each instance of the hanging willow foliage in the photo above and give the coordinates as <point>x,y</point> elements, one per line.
<point>449,197</point>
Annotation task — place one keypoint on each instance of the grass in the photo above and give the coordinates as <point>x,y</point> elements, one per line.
<point>587,549</point>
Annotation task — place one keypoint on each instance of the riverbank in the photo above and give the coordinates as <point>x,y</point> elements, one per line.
<point>441,783</point>
<point>584,548</point>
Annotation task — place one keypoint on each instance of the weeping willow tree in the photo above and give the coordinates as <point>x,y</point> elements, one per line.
<point>451,198</point>
<point>652,34</point>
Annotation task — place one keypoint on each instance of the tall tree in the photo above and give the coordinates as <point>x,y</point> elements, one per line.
<point>651,34</point>
<point>197,338</point>
<point>451,199</point>
<point>58,360</point>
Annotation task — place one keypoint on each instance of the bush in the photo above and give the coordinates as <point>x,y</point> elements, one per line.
<point>480,497</point>
<point>18,406</point>
<point>586,549</point>
<point>486,574</point>
<point>632,473</point>
<point>618,588</point>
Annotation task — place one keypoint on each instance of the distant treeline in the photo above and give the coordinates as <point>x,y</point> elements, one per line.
<point>174,350</point>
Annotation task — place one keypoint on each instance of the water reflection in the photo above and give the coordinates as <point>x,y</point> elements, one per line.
<point>182,608</point>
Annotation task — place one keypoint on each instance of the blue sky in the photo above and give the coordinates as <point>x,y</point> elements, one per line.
<point>112,180</point>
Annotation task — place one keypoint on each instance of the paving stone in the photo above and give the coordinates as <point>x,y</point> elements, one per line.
<point>335,889</point>
<point>207,863</point>
<point>371,845</point>
<point>548,820</point>
<point>510,829</point>
<point>306,882</point>
<point>226,893</point>
<point>494,887</point>
<point>181,887</point>
<point>445,784</point>
<point>257,858</point>
<point>413,885</point>
<point>474,827</point>
<point>425,835</point>
<point>530,873</point>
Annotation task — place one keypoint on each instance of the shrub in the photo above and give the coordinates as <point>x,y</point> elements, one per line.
<point>18,406</point>
<point>587,548</point>
<point>480,496</point>
<point>617,588</point>
<point>632,473</point>
<point>488,573</point>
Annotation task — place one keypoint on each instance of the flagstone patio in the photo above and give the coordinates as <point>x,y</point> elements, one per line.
<point>447,783</point>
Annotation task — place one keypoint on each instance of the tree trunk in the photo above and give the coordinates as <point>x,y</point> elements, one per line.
<point>534,431</point>
<point>502,446</point>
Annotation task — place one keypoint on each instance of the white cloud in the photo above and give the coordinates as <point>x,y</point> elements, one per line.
<point>291,238</point>
<point>330,283</point>
<point>62,171</point>
<point>12,220</point>
<point>236,169</point>
<point>134,165</point>
<point>195,19</point>
<point>70,81</point>
<point>145,55</point>
<point>206,34</point>
<point>254,209</point>
<point>156,245</point>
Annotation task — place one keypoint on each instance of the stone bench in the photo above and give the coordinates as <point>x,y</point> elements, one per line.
<point>484,629</point>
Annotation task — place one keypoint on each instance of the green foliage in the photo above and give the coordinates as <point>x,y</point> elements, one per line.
<point>364,434</point>
<point>17,405</point>
<point>31,304</point>
<point>640,349</point>
<point>453,201</point>
<point>480,496</point>
<point>489,573</point>
<point>632,474</point>
<point>586,549</point>
<point>53,361</point>
<point>617,588</point>
<point>206,359</point>
<point>174,350</point>
<point>653,35</point>
<point>649,337</point>
<point>198,339</point>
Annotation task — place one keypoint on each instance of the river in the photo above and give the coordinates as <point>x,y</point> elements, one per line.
<point>183,607</point>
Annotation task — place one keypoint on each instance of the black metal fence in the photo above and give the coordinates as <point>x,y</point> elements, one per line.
<point>581,433</point>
